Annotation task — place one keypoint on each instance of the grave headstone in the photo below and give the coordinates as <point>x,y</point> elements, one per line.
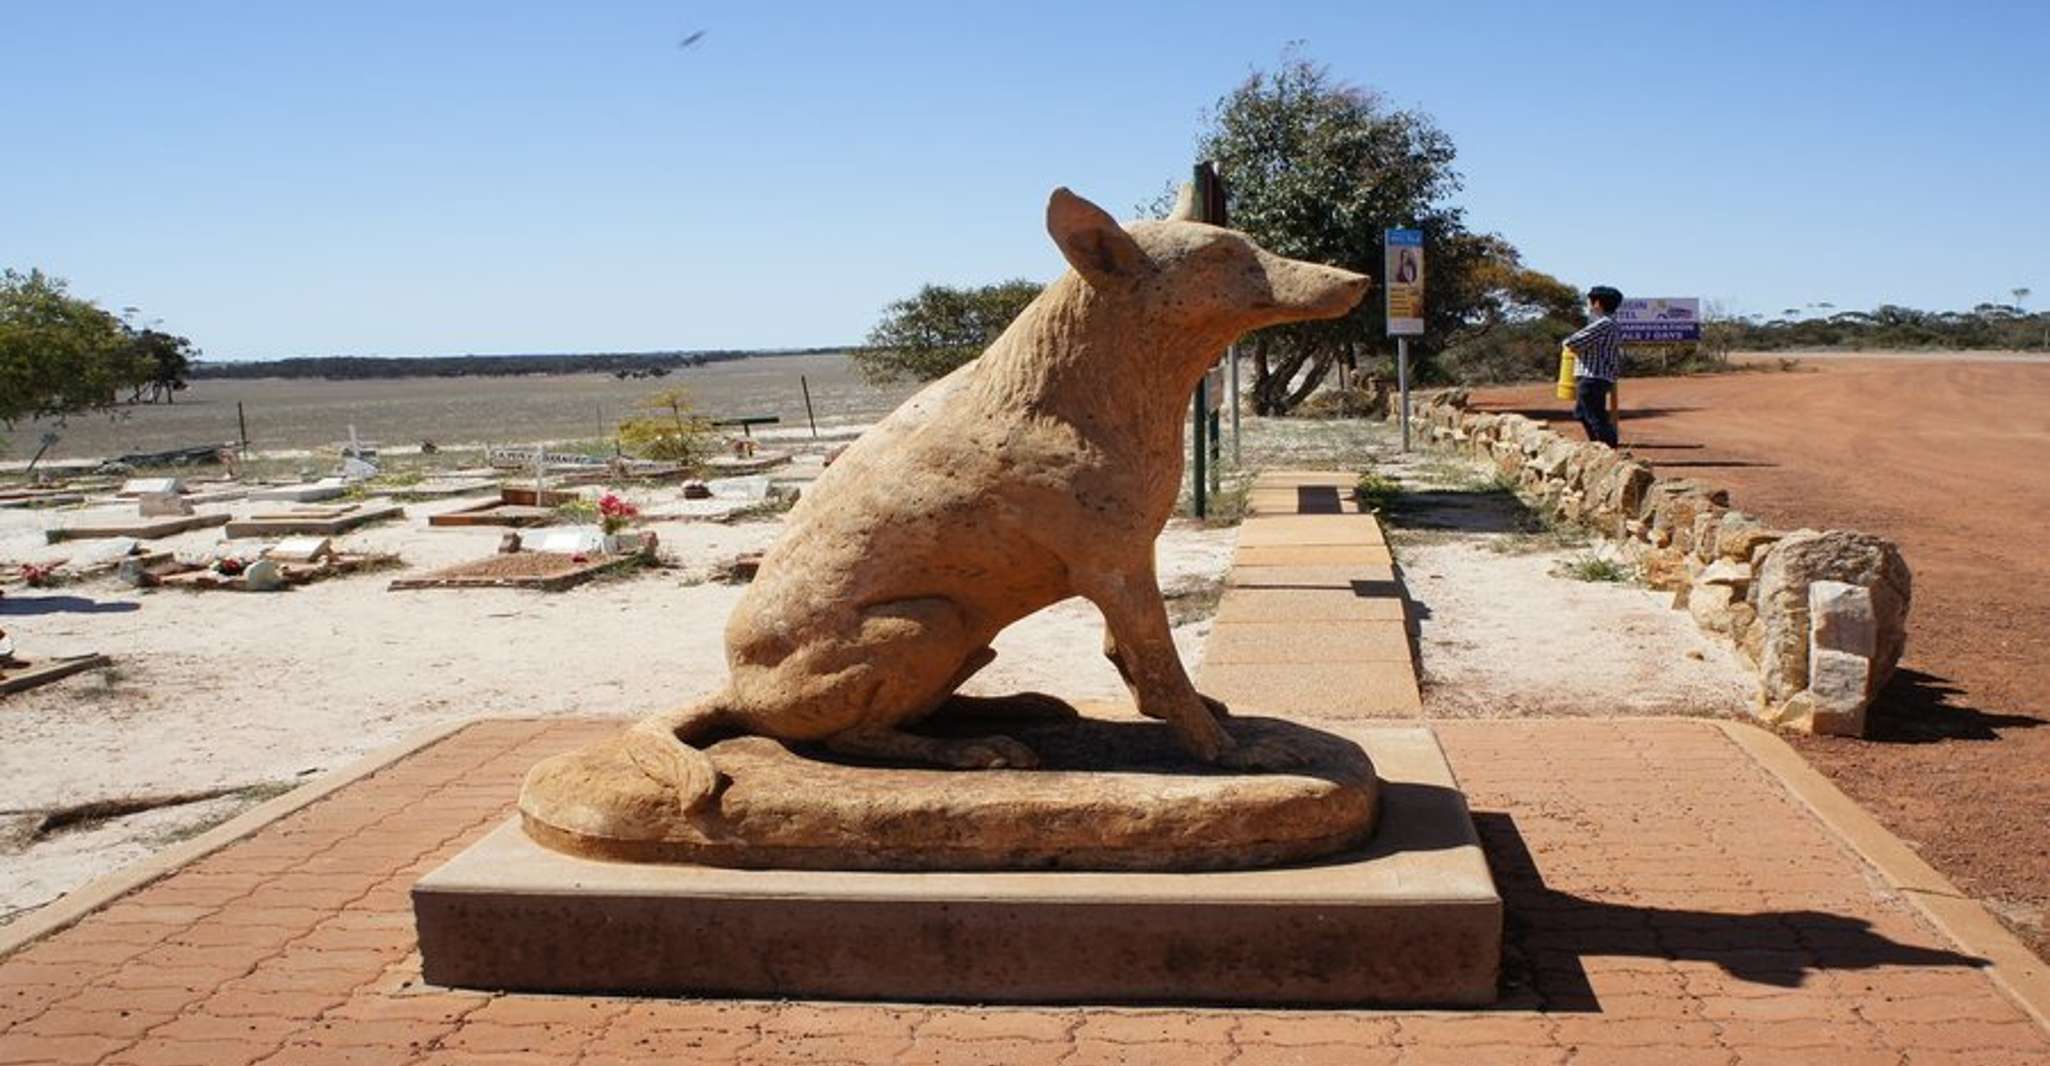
<point>140,486</point>
<point>263,575</point>
<point>740,488</point>
<point>163,504</point>
<point>301,549</point>
<point>571,540</point>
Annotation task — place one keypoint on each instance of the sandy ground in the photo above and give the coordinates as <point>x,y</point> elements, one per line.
<point>1946,455</point>
<point>228,689</point>
<point>1504,629</point>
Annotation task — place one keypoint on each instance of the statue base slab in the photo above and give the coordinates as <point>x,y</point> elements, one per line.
<point>1411,919</point>
<point>1107,795</point>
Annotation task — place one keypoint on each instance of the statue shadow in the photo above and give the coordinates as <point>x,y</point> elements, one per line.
<point>1547,933</point>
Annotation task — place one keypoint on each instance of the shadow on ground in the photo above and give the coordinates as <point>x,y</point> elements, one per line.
<point>29,605</point>
<point>1705,464</point>
<point>1564,413</point>
<point>1922,708</point>
<point>1546,933</point>
<point>1481,510</point>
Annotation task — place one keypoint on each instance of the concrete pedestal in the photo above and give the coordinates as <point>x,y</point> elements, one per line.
<point>1413,920</point>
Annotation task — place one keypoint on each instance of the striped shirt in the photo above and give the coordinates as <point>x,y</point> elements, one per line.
<point>1597,350</point>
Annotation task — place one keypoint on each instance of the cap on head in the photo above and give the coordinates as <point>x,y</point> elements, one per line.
<point>1605,297</point>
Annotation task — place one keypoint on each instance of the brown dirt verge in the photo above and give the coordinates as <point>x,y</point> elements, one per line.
<point>1950,458</point>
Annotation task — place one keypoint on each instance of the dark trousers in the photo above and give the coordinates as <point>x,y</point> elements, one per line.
<point>1591,407</point>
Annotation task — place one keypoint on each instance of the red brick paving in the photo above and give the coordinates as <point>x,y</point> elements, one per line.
<point>1668,903</point>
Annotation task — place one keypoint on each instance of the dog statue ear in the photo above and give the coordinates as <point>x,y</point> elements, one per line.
<point>1184,204</point>
<point>1093,243</point>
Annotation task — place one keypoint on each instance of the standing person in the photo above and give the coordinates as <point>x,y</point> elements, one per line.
<point>1597,363</point>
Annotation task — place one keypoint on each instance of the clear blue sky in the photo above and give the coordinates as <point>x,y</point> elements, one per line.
<point>407,178</point>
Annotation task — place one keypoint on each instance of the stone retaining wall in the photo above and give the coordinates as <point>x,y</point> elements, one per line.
<point>1821,615</point>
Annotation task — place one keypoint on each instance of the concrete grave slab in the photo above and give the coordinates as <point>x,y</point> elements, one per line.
<point>132,526</point>
<point>313,522</point>
<point>310,492</point>
<point>1413,919</point>
<point>541,571</point>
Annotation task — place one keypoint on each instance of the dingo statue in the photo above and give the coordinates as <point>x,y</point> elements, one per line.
<point>1041,470</point>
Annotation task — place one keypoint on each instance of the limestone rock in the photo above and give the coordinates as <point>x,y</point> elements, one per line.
<point>1838,691</point>
<point>1674,505</point>
<point>1724,572</point>
<point>1703,535</point>
<point>1740,535</point>
<point>1782,597</point>
<point>1710,605</point>
<point>1553,456</point>
<point>1840,618</point>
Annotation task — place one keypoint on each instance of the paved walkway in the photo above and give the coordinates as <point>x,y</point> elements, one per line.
<point>1663,892</point>
<point>1313,621</point>
<point>1669,902</point>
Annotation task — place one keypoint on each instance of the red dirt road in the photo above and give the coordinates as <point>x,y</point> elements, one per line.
<point>1950,457</point>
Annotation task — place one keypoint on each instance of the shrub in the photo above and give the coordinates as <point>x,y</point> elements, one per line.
<point>669,431</point>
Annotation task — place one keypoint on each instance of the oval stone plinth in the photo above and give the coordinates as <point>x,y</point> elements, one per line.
<point>1107,796</point>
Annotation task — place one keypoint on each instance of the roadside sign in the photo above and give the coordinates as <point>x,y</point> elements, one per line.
<point>1660,320</point>
<point>1404,282</point>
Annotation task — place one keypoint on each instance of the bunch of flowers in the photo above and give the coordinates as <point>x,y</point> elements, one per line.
<point>614,513</point>
<point>37,577</point>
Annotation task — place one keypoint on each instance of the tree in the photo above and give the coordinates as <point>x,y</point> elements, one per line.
<point>1318,169</point>
<point>164,360</point>
<point>59,355</point>
<point>928,335</point>
<point>1515,316</point>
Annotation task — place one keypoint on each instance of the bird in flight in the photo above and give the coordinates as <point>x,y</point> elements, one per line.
<point>691,40</point>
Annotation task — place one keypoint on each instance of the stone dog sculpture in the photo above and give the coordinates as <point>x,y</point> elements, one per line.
<point>1041,470</point>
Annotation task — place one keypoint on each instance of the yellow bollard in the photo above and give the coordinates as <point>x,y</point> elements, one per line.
<point>1565,388</point>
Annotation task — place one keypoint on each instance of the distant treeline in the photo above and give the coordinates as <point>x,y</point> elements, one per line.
<point>1987,327</point>
<point>345,367</point>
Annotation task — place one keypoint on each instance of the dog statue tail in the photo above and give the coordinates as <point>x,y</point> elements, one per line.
<point>661,745</point>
